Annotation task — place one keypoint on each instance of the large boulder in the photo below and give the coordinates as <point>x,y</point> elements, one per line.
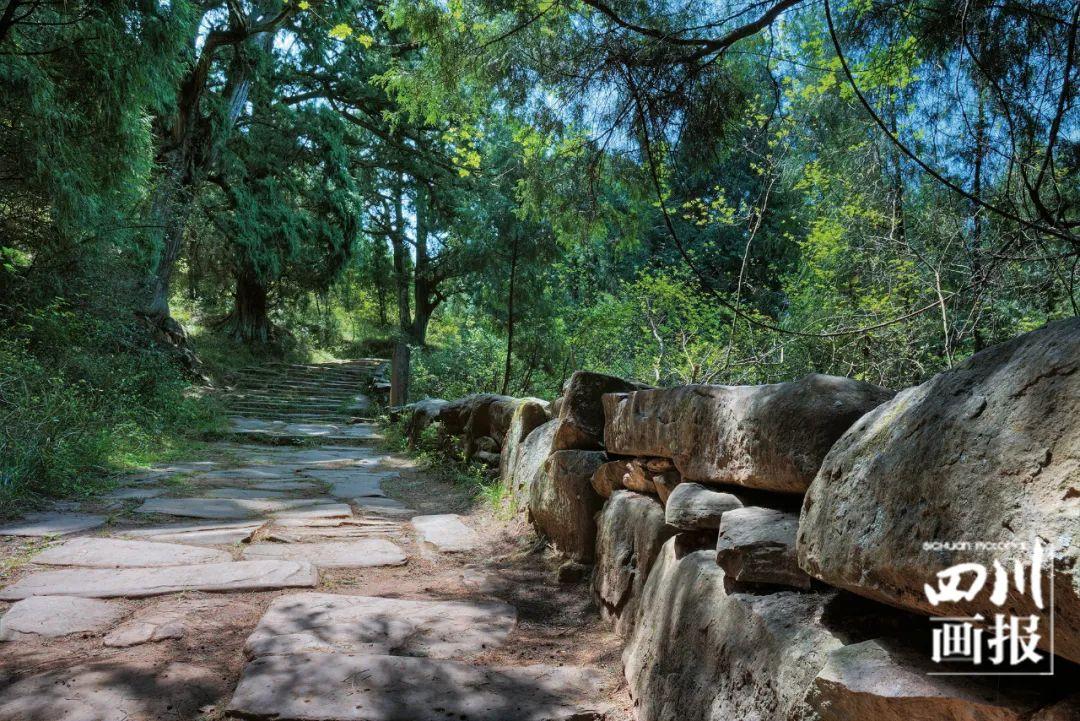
<point>699,652</point>
<point>609,478</point>
<point>529,464</point>
<point>457,414</point>
<point>885,681</point>
<point>562,502</point>
<point>581,410</point>
<point>528,415</point>
<point>693,507</point>
<point>771,437</point>
<point>988,452</point>
<point>631,531</point>
<point>421,415</point>
<point>757,545</point>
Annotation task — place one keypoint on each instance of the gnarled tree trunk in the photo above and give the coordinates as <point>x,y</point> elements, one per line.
<point>249,321</point>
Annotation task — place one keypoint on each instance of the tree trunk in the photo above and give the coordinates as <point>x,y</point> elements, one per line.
<point>399,374</point>
<point>399,365</point>
<point>189,148</point>
<point>422,281</point>
<point>510,317</point>
<point>170,208</point>
<point>250,321</point>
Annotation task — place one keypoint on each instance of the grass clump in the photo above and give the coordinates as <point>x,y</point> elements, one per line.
<point>439,456</point>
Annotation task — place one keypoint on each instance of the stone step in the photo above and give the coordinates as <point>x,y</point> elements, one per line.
<point>288,439</point>
<point>52,524</point>
<point>446,532</point>
<point>250,407</point>
<point>121,553</point>
<point>354,687</point>
<point>306,375</point>
<point>224,508</point>
<point>295,399</point>
<point>142,582</point>
<point>197,534</point>
<point>358,553</point>
<point>297,386</point>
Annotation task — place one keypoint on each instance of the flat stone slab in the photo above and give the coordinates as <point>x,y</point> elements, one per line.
<point>127,494</point>
<point>113,691</point>
<point>322,510</point>
<point>166,619</point>
<point>446,532</point>
<point>52,524</point>
<point>286,485</point>
<point>353,687</point>
<point>223,508</point>
<point>385,506</point>
<point>332,623</point>
<point>198,534</point>
<point>352,483</point>
<point>141,582</point>
<point>121,553</point>
<point>360,553</point>
<point>54,616</point>
<point>250,493</point>
<point>249,473</point>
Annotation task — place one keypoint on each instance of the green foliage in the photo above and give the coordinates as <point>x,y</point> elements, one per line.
<point>81,399</point>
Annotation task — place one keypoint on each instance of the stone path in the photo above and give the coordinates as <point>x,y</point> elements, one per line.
<point>275,544</point>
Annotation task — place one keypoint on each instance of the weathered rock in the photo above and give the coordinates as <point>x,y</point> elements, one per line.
<point>147,630</point>
<point>446,532</point>
<point>487,444</point>
<point>581,412</point>
<point>460,412</point>
<point>535,450</point>
<point>638,478</point>
<point>383,506</point>
<point>1066,710</point>
<point>421,415</point>
<point>52,524</point>
<point>220,508</point>
<point>246,493</point>
<point>352,687</point>
<point>361,553</point>
<point>197,534</point>
<point>352,482</point>
<point>609,478</point>
<point>126,494</point>
<point>630,534</point>
<point>324,510</point>
<point>772,437</point>
<point>529,414</point>
<point>331,623</point>
<point>665,483</point>
<point>491,460</point>
<point>699,652</point>
<point>113,690</point>
<point>53,616</point>
<point>693,507</point>
<point>988,451</point>
<point>140,582</point>
<point>757,545</point>
<point>120,553</point>
<point>880,680</point>
<point>562,502</point>
<point>573,572</point>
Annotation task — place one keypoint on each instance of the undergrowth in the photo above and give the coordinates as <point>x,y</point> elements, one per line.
<point>82,399</point>
<point>445,462</point>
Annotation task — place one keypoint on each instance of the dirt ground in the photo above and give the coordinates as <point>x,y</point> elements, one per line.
<point>557,622</point>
